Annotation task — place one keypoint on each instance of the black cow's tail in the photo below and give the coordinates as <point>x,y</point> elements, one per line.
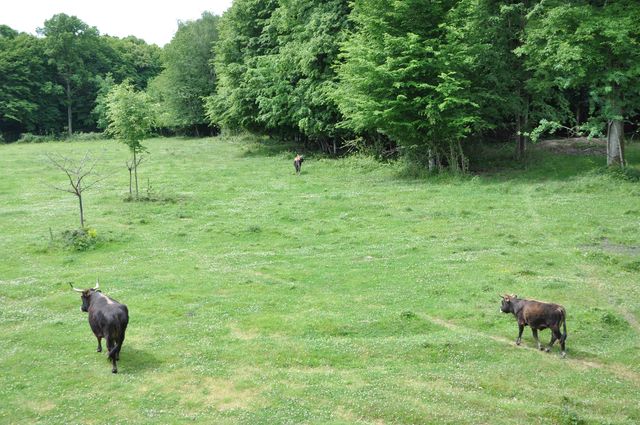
<point>114,351</point>
<point>118,338</point>
<point>564,325</point>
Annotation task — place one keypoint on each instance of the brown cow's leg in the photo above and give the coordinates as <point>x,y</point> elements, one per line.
<point>555,333</point>
<point>562,339</point>
<point>99,349</point>
<point>553,341</point>
<point>535,336</point>
<point>520,330</point>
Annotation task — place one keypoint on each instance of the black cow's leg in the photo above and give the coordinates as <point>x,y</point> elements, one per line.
<point>520,330</point>
<point>119,347</point>
<point>99,349</point>
<point>535,336</point>
<point>114,369</point>
<point>110,344</point>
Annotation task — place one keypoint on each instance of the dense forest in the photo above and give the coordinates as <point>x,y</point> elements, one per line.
<point>420,79</point>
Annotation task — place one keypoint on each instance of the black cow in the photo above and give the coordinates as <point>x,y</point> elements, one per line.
<point>108,319</point>
<point>538,316</point>
<point>297,163</point>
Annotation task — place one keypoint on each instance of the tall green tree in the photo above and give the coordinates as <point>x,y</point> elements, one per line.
<point>132,59</point>
<point>591,45</point>
<point>28,99</point>
<point>396,79</point>
<point>294,81</point>
<point>188,76</point>
<point>242,42</point>
<point>69,45</point>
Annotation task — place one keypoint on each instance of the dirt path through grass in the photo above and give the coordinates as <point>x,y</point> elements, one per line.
<point>616,369</point>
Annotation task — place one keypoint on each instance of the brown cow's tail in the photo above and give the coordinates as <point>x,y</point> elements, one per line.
<point>564,325</point>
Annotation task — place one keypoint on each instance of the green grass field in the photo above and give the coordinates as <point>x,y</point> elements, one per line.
<point>346,295</point>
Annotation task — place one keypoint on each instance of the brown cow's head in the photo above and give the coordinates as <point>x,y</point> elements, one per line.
<point>86,295</point>
<point>507,303</point>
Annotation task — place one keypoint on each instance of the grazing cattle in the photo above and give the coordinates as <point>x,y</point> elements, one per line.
<point>297,163</point>
<point>538,316</point>
<point>108,319</point>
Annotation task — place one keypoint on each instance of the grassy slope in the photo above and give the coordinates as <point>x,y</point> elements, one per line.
<point>344,295</point>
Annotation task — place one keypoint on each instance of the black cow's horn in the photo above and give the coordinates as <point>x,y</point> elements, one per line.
<point>75,289</point>
<point>97,285</point>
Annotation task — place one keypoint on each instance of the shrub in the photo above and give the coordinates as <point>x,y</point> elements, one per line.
<point>86,137</point>
<point>629,174</point>
<point>35,138</point>
<point>80,239</point>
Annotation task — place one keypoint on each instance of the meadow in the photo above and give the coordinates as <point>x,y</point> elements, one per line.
<point>351,294</point>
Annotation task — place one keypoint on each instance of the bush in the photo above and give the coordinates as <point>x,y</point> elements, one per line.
<point>80,239</point>
<point>35,138</point>
<point>629,174</point>
<point>76,137</point>
<point>86,137</point>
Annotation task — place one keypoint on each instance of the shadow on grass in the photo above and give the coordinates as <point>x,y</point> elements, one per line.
<point>135,360</point>
<point>267,147</point>
<point>497,163</point>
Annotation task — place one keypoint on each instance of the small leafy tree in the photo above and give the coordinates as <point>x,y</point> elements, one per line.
<point>131,119</point>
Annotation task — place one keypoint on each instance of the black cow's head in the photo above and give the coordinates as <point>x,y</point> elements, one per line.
<point>86,295</point>
<point>507,303</point>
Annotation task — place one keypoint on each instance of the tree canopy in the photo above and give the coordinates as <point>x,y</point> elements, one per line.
<point>426,80</point>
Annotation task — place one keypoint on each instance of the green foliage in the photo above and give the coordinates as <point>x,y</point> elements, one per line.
<point>395,80</point>
<point>592,46</point>
<point>105,85</point>
<point>80,239</point>
<point>34,138</point>
<point>75,137</point>
<point>241,42</point>
<point>275,65</point>
<point>26,91</point>
<point>188,75</point>
<point>130,115</point>
<point>40,77</point>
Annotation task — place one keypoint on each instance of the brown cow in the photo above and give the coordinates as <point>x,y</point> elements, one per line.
<point>538,316</point>
<point>297,163</point>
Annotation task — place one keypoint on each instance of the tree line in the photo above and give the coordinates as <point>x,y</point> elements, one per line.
<point>422,79</point>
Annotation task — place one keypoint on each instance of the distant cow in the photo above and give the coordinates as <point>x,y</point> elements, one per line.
<point>108,319</point>
<point>297,163</point>
<point>538,316</point>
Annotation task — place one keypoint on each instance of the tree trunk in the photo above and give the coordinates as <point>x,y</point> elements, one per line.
<point>522,124</point>
<point>135,170</point>
<point>454,165</point>
<point>432,161</point>
<point>130,182</point>
<point>464,163</point>
<point>615,143</point>
<point>81,212</point>
<point>69,123</point>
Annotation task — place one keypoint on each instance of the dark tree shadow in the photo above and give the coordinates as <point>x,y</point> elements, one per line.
<point>267,147</point>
